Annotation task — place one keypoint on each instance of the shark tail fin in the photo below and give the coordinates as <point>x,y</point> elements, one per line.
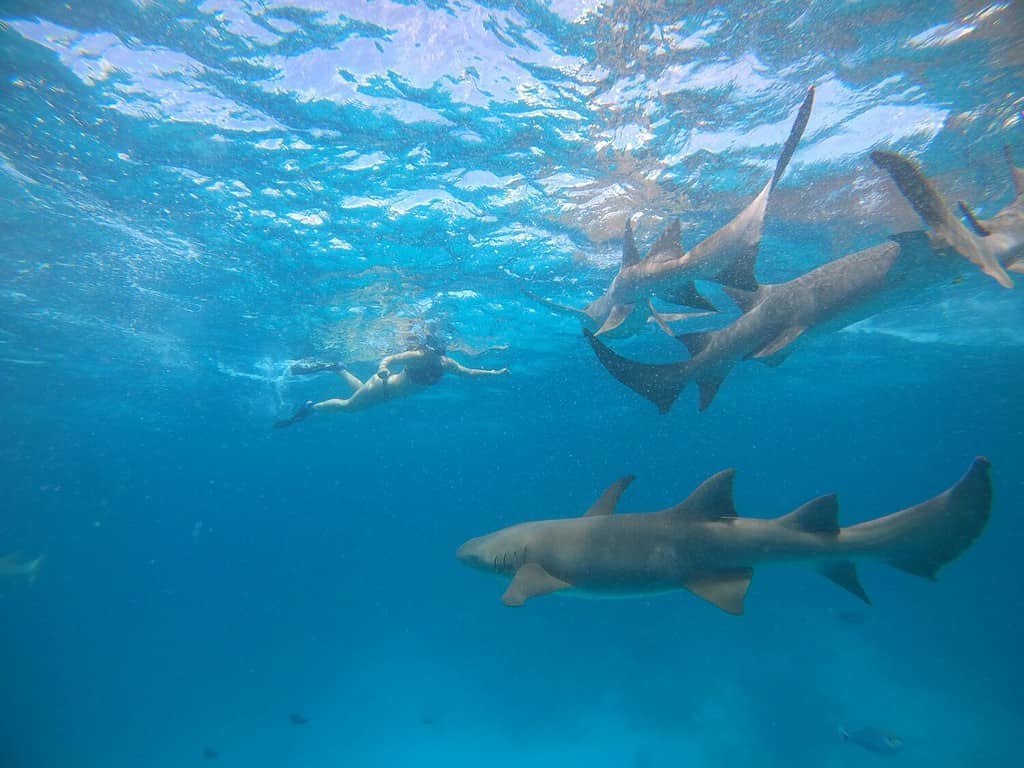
<point>795,134</point>
<point>937,214</point>
<point>661,384</point>
<point>922,539</point>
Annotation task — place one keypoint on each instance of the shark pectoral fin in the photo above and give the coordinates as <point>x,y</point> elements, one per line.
<point>740,274</point>
<point>780,342</point>
<point>708,384</point>
<point>688,295</point>
<point>724,588</point>
<point>610,498</point>
<point>618,315</point>
<point>531,580</point>
<point>844,573</point>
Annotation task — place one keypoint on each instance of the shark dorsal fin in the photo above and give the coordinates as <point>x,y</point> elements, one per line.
<point>740,274</point>
<point>669,245</point>
<point>696,342</point>
<point>979,229</point>
<point>708,384</point>
<point>780,342</point>
<point>820,515</point>
<point>610,498</point>
<point>630,255</point>
<point>531,580</point>
<point>724,588</point>
<point>712,500</point>
<point>844,573</point>
<point>688,295</point>
<point>619,314</point>
<point>1018,173</point>
<point>745,300</point>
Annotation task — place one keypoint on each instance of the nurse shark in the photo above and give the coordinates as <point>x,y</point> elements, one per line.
<point>702,545</point>
<point>727,256</point>
<point>777,318</point>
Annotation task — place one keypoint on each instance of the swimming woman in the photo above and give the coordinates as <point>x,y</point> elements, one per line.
<point>422,367</point>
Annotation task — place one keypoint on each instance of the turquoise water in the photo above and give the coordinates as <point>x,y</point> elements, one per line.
<point>195,195</point>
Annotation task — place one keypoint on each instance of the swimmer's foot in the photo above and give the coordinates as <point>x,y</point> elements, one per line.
<point>304,410</point>
<point>306,367</point>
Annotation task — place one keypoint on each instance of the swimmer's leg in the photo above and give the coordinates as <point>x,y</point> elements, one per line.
<point>306,367</point>
<point>349,379</point>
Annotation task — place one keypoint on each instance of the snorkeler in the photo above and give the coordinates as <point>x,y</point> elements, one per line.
<point>422,367</point>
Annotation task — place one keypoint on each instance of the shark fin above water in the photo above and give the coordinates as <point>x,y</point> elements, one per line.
<point>610,498</point>
<point>724,588</point>
<point>531,580</point>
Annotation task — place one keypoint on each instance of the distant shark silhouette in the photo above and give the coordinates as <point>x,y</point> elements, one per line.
<point>701,545</point>
<point>14,566</point>
<point>728,257</point>
<point>995,245</point>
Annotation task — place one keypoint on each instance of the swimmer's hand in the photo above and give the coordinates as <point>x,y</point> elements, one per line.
<point>383,374</point>
<point>304,410</point>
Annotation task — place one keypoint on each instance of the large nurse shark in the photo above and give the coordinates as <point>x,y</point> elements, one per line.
<point>778,318</point>
<point>727,256</point>
<point>702,545</point>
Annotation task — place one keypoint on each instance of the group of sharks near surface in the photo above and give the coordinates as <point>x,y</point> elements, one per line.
<point>701,544</point>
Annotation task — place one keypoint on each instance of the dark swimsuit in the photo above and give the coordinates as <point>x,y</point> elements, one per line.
<point>429,372</point>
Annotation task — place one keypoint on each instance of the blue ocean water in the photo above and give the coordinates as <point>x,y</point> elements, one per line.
<point>195,195</point>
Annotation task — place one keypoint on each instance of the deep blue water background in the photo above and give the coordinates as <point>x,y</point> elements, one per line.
<point>206,575</point>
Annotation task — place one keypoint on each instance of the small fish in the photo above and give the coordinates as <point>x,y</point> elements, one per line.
<point>296,719</point>
<point>874,740</point>
<point>211,754</point>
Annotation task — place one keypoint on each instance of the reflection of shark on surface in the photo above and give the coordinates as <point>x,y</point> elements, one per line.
<point>14,566</point>
<point>727,256</point>
<point>703,546</point>
<point>828,298</point>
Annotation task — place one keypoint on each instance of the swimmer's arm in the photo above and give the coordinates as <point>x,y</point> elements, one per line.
<point>401,357</point>
<point>460,370</point>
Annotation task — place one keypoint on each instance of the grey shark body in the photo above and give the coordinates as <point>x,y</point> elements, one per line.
<point>727,256</point>
<point>703,546</point>
<point>778,318</point>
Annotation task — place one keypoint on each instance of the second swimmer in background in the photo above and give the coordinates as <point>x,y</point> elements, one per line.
<point>422,367</point>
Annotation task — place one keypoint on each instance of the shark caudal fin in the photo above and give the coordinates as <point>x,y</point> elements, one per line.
<point>661,384</point>
<point>795,134</point>
<point>938,215</point>
<point>924,538</point>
